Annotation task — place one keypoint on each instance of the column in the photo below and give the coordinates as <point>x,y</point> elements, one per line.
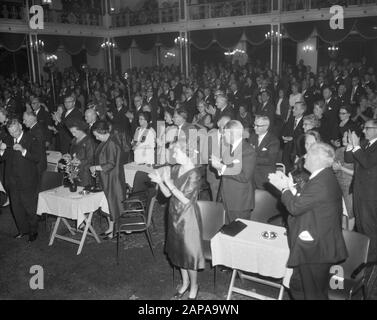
<point>276,48</point>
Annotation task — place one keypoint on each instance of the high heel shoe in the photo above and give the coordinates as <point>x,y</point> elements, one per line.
<point>196,295</point>
<point>109,235</point>
<point>179,295</point>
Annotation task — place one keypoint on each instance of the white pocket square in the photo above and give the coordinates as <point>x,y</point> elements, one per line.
<point>264,149</point>
<point>305,236</point>
<point>235,161</point>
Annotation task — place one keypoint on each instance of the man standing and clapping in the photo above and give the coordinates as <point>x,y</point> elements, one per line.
<point>364,156</point>
<point>21,176</point>
<point>314,225</point>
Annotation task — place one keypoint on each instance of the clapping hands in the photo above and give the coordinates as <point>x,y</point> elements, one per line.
<point>280,181</point>
<point>352,139</point>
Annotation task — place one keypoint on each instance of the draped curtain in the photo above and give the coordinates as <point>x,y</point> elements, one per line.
<point>12,42</point>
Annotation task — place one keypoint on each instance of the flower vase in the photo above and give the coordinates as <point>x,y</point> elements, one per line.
<point>73,186</point>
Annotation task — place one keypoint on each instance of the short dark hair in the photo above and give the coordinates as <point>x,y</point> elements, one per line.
<point>146,115</point>
<point>101,126</point>
<point>182,112</point>
<point>78,124</point>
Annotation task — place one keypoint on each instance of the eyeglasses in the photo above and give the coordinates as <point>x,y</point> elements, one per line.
<point>259,125</point>
<point>343,112</point>
<point>366,128</point>
<point>68,101</point>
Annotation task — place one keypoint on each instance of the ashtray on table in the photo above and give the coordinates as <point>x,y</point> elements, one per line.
<point>269,235</point>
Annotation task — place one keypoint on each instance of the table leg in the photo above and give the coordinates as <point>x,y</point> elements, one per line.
<point>70,229</point>
<point>88,225</point>
<point>231,284</point>
<point>281,292</point>
<point>57,222</point>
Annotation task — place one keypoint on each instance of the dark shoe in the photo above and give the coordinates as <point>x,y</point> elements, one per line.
<point>20,235</point>
<point>33,237</point>
<point>196,295</point>
<point>179,295</point>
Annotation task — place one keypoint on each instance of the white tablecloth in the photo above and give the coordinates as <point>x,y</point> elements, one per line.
<point>130,170</point>
<point>248,251</point>
<point>71,205</point>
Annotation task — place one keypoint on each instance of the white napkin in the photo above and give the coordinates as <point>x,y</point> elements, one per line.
<point>305,236</point>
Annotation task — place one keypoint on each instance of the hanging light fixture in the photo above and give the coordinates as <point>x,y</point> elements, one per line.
<point>273,35</point>
<point>307,48</point>
<point>238,52</point>
<point>108,44</point>
<point>37,44</point>
<point>180,40</point>
<point>333,51</point>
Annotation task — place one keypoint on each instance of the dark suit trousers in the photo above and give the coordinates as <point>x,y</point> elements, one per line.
<point>24,207</point>
<point>310,281</point>
<point>233,215</point>
<point>366,223</point>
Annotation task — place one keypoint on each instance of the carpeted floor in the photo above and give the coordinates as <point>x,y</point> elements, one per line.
<point>94,274</point>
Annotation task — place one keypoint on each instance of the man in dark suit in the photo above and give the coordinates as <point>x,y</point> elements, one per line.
<point>222,109</point>
<point>315,224</point>
<point>36,129</point>
<point>215,146</point>
<point>266,146</point>
<point>153,103</point>
<point>292,130</point>
<point>235,97</point>
<point>118,116</point>
<point>308,96</point>
<point>356,92</point>
<point>342,96</point>
<point>331,114</point>
<point>190,104</point>
<point>364,156</point>
<point>43,118</point>
<point>91,119</point>
<point>21,176</point>
<point>236,168</point>
<point>266,108</point>
<point>208,97</point>
<point>134,116</point>
<point>282,113</point>
<point>70,113</point>
<point>10,103</point>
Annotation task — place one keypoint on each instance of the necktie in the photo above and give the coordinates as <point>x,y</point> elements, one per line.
<point>296,123</point>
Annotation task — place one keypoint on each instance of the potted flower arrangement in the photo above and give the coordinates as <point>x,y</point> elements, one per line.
<point>70,167</point>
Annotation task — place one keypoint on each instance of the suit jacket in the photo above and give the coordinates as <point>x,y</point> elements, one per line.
<point>268,110</point>
<point>64,133</point>
<point>236,99</point>
<point>227,111</point>
<point>154,111</point>
<point>11,107</point>
<point>365,174</point>
<point>267,153</point>
<point>44,119</point>
<point>120,120</point>
<point>21,173</point>
<point>290,149</point>
<point>38,132</point>
<point>237,189</point>
<point>317,210</point>
<point>190,106</point>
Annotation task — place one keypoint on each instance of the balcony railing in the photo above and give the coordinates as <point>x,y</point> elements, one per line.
<point>12,11</point>
<point>210,9</point>
<point>58,16</point>
<point>131,18</point>
<point>294,5</point>
<point>228,9</point>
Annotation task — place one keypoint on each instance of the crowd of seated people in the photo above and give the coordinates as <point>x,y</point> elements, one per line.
<point>156,105</point>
